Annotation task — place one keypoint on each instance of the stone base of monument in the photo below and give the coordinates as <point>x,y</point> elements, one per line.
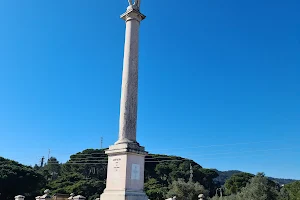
<point>125,172</point>
<point>123,195</point>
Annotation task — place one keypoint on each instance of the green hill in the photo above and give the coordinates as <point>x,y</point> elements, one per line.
<point>85,173</point>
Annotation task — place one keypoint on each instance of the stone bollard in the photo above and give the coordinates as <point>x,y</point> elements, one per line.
<point>79,197</point>
<point>201,197</point>
<point>46,196</point>
<point>19,197</point>
<point>71,196</point>
<point>173,198</point>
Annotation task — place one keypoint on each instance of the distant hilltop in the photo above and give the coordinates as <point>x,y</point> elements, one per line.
<point>224,175</point>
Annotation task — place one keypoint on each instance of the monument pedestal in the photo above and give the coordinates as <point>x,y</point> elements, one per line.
<point>125,172</point>
<point>123,195</point>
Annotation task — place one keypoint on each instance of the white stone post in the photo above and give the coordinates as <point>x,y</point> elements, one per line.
<point>79,197</point>
<point>46,195</point>
<point>201,197</point>
<point>19,197</point>
<point>71,196</point>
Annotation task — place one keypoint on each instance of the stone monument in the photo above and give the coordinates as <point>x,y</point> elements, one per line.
<point>126,158</point>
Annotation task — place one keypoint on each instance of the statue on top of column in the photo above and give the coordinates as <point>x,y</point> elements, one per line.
<point>137,3</point>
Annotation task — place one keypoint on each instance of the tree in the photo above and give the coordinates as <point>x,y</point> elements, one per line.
<point>236,182</point>
<point>90,163</point>
<point>16,179</point>
<point>284,194</point>
<point>170,168</point>
<point>186,190</point>
<point>52,169</point>
<point>155,190</point>
<point>206,178</point>
<point>78,184</point>
<point>84,174</point>
<point>259,188</point>
<point>293,190</point>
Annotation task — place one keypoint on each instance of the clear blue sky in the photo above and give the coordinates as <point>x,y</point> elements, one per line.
<point>213,75</point>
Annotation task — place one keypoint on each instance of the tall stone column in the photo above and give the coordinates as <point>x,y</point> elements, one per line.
<point>126,158</point>
<point>129,97</point>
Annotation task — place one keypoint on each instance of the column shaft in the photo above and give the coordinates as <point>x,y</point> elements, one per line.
<point>129,96</point>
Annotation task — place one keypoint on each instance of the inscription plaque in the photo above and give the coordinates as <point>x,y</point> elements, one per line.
<point>135,172</point>
<point>116,164</point>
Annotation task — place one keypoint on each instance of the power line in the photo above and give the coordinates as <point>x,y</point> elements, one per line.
<point>162,157</point>
<point>105,161</point>
<point>211,158</point>
<point>220,145</point>
<point>168,160</point>
<point>150,158</point>
<point>193,147</point>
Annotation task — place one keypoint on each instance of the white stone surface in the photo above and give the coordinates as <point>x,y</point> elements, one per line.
<point>79,197</point>
<point>45,196</point>
<point>135,172</point>
<point>19,197</point>
<point>136,4</point>
<point>173,198</point>
<point>121,168</point>
<point>129,96</point>
<point>201,197</point>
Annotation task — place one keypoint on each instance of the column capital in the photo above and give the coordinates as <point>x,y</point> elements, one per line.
<point>132,13</point>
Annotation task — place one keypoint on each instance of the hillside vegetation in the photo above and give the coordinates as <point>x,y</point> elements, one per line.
<point>85,174</point>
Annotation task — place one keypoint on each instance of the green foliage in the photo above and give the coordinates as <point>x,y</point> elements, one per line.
<point>259,188</point>
<point>284,194</point>
<point>206,178</point>
<point>76,183</point>
<point>186,190</point>
<point>85,174</point>
<point>155,190</point>
<point>53,165</point>
<point>90,163</point>
<point>51,170</point>
<point>293,190</point>
<point>225,175</point>
<point>17,179</point>
<point>281,181</point>
<point>168,169</point>
<point>236,182</point>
